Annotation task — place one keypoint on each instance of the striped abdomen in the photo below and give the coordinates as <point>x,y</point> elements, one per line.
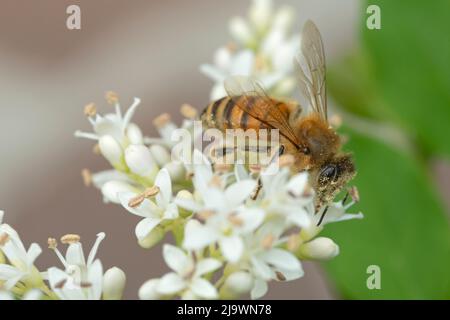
<point>226,114</point>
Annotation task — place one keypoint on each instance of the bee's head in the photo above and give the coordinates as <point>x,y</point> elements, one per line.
<point>333,175</point>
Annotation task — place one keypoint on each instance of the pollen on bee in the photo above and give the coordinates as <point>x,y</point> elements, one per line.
<point>90,110</point>
<point>111,97</point>
<point>161,120</point>
<point>188,111</point>
<point>70,239</point>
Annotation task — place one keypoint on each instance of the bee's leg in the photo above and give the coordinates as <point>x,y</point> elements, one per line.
<point>257,190</point>
<point>345,198</point>
<point>323,216</point>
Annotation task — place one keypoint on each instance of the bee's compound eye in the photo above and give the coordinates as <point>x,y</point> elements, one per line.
<point>328,174</point>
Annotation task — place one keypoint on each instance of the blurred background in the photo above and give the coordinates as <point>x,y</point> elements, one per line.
<point>390,85</point>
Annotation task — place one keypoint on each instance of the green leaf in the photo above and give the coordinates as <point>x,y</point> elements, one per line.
<point>405,230</point>
<point>410,60</point>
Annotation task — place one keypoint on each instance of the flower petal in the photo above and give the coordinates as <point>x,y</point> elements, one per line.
<point>165,188</point>
<point>146,209</point>
<point>259,289</point>
<point>232,248</point>
<point>206,266</point>
<point>203,289</point>
<point>177,259</point>
<point>281,259</point>
<point>198,236</point>
<point>145,226</point>
<point>171,283</point>
<point>239,191</point>
<point>95,279</point>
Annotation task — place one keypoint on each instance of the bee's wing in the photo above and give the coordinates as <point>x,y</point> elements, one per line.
<point>311,69</point>
<point>243,91</point>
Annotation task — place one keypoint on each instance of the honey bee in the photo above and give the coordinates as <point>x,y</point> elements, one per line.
<point>308,137</point>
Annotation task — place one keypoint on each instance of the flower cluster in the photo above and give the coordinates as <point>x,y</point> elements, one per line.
<point>78,280</point>
<point>236,227</point>
<point>263,46</point>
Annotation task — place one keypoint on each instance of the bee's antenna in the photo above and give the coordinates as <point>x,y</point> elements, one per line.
<point>323,216</point>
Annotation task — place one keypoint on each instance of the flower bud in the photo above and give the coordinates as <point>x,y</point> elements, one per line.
<point>284,18</point>
<point>176,170</point>
<point>239,282</point>
<point>148,290</point>
<point>113,284</point>
<point>160,154</point>
<point>186,195</point>
<point>111,150</point>
<point>222,58</point>
<point>140,161</point>
<point>240,30</point>
<point>260,14</point>
<point>152,238</point>
<point>134,134</point>
<point>319,249</point>
<point>111,189</point>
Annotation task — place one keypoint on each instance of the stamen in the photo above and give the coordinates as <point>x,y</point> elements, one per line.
<point>286,160</point>
<point>205,214</point>
<point>4,237</point>
<point>111,97</point>
<point>188,111</point>
<point>86,135</point>
<point>87,177</point>
<point>322,216</point>
<point>60,284</point>
<point>161,120</point>
<point>222,167</point>
<point>280,276</point>
<point>293,242</point>
<point>148,193</point>
<point>231,46</point>
<point>96,149</point>
<point>215,182</point>
<point>52,243</point>
<point>70,239</point>
<point>90,110</point>
<point>235,220</point>
<point>91,257</point>
<point>136,201</point>
<point>84,284</point>
<point>151,192</point>
<point>267,242</point>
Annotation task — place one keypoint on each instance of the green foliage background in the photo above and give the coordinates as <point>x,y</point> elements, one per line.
<point>401,76</point>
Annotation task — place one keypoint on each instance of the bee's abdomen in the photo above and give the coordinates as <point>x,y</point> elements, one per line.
<point>225,114</point>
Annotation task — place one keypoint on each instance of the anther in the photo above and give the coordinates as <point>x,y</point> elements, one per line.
<point>215,182</point>
<point>205,214</point>
<point>70,239</point>
<point>4,237</point>
<point>161,120</point>
<point>280,276</point>
<point>90,110</point>
<point>267,242</point>
<point>235,220</point>
<point>293,242</point>
<point>111,97</point>
<point>188,111</point>
<point>87,177</point>
<point>52,243</point>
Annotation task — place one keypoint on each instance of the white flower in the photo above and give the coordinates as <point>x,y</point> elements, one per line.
<point>21,262</point>
<point>81,279</point>
<point>140,161</point>
<point>265,50</point>
<point>285,194</point>
<point>226,218</point>
<point>153,213</point>
<point>33,294</point>
<point>265,261</point>
<point>115,125</point>
<point>186,279</point>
